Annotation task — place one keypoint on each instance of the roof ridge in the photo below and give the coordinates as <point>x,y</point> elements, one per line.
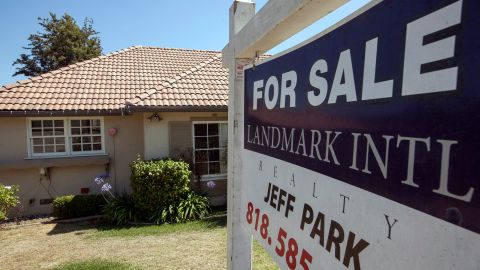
<point>181,49</point>
<point>169,81</point>
<point>68,67</point>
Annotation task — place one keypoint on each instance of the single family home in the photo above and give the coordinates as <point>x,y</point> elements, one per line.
<point>63,128</point>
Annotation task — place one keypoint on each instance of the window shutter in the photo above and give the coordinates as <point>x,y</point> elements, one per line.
<point>180,140</point>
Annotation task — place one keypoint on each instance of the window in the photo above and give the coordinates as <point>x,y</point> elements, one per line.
<point>210,147</point>
<point>65,136</point>
<point>47,137</point>
<point>86,135</point>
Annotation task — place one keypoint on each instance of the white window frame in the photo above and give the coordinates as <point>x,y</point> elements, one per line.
<point>208,177</point>
<point>68,138</point>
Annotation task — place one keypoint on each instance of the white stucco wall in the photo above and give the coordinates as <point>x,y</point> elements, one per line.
<point>157,132</point>
<point>67,175</point>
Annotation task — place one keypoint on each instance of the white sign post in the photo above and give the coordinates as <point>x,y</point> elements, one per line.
<point>359,148</point>
<point>250,35</point>
<point>239,240</point>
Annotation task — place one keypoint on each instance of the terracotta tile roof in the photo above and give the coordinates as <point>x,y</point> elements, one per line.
<point>206,84</point>
<point>138,76</point>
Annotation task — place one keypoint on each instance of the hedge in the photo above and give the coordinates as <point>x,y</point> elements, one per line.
<point>74,206</point>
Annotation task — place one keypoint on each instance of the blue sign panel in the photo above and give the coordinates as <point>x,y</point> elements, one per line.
<point>389,102</point>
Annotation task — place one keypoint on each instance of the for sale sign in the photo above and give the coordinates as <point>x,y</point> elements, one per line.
<point>362,148</point>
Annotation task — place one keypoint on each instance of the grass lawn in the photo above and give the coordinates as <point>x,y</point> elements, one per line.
<point>92,246</point>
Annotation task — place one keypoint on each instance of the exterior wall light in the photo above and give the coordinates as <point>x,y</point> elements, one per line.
<point>155,117</point>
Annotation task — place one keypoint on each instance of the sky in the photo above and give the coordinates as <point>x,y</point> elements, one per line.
<point>189,24</point>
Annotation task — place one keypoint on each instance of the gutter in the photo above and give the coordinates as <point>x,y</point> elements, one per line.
<point>39,113</point>
<point>128,110</point>
<point>131,109</point>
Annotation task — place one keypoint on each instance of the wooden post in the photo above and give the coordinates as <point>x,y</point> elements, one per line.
<point>239,241</point>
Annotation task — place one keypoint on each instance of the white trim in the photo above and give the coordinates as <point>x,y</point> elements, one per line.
<point>213,177</point>
<point>53,157</point>
<point>67,136</point>
<point>210,122</point>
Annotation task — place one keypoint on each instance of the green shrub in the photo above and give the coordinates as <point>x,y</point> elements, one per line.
<point>120,209</point>
<point>8,200</point>
<point>73,206</point>
<point>158,183</point>
<point>193,207</point>
<point>189,206</point>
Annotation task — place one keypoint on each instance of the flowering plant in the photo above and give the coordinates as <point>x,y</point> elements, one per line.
<point>211,184</point>
<point>105,186</point>
<point>119,209</point>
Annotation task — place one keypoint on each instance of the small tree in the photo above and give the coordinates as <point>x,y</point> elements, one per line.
<point>61,43</point>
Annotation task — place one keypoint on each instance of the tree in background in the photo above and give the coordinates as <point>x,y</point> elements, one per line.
<point>61,43</point>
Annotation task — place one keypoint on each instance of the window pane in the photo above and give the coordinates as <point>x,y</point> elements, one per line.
<point>60,148</point>
<point>76,139</point>
<point>200,129</point>
<point>85,123</point>
<point>36,132</point>
<point>58,123</point>
<point>96,122</point>
<point>47,123</point>
<point>47,131</point>
<point>59,140</point>
<point>37,149</point>
<point>97,147</point>
<point>97,139</point>
<point>223,135</point>
<point>213,142</point>
<point>76,147</point>
<point>86,139</point>
<point>201,168</point>
<point>49,140</point>
<point>36,124</point>
<point>59,131</point>
<point>96,130</point>
<point>213,155</point>
<point>49,149</point>
<point>75,131</point>
<point>214,168</point>
<point>87,147</point>
<point>85,131</point>
<point>212,129</point>
<point>201,156</point>
<point>200,142</point>
<point>75,123</point>
<point>38,141</point>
